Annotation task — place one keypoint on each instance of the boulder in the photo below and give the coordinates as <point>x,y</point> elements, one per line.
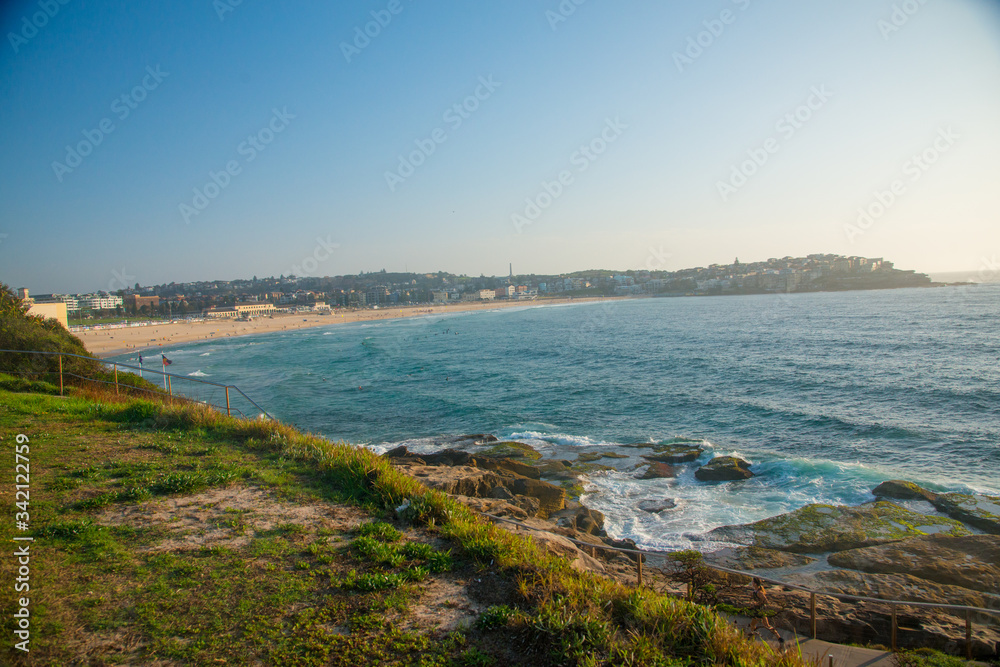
<point>551,498</point>
<point>825,528</point>
<point>657,506</point>
<point>455,480</point>
<point>449,457</point>
<point>896,489</point>
<point>581,519</point>
<point>658,471</point>
<point>724,469</point>
<point>971,561</point>
<point>684,452</point>
<point>559,545</point>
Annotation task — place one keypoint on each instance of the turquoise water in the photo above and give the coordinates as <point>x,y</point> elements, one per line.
<point>826,394</point>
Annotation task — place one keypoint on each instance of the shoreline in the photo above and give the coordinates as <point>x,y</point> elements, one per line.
<point>106,343</point>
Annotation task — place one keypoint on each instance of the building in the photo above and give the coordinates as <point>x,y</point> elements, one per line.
<point>135,301</point>
<point>100,301</point>
<point>487,294</point>
<point>218,313</point>
<point>55,310</point>
<point>439,296</point>
<point>254,309</point>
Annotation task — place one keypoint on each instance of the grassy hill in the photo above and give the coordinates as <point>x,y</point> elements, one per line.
<point>173,535</point>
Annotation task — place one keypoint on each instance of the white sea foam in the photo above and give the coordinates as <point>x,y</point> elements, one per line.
<point>198,374</point>
<point>205,354</point>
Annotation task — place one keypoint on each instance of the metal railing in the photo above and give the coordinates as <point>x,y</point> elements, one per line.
<point>168,381</point>
<point>640,555</point>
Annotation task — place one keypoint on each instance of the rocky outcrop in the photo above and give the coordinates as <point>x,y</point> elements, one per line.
<point>825,528</point>
<point>550,497</point>
<point>674,452</point>
<point>657,506</point>
<point>982,512</point>
<point>897,587</point>
<point>724,469</point>
<point>971,562</point>
<point>510,450</point>
<point>896,489</point>
<point>979,511</point>
<point>455,480</point>
<point>508,466</point>
<point>756,558</point>
<point>580,519</point>
<point>658,471</point>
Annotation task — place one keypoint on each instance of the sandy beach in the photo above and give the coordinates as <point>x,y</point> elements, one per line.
<point>111,342</point>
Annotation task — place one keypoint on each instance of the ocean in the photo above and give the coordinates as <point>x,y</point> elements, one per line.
<point>826,394</point>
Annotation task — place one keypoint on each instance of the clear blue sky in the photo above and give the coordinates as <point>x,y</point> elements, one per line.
<point>679,127</point>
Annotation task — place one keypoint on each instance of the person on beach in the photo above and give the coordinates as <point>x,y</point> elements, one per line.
<point>759,612</point>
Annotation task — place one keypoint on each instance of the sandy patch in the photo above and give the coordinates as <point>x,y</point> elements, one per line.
<point>228,517</point>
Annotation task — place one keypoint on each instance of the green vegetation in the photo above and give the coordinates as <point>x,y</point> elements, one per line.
<point>511,450</point>
<point>926,657</point>
<point>220,571</point>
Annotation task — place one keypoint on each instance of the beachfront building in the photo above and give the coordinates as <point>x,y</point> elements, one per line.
<point>55,310</point>
<point>254,309</point>
<point>220,313</point>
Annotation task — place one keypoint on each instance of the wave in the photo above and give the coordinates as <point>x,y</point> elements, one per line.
<point>205,354</point>
<point>199,374</point>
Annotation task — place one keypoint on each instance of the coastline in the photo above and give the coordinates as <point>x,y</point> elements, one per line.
<point>112,342</point>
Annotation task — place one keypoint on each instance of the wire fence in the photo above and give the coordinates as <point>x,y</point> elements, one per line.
<point>802,611</point>
<point>223,397</point>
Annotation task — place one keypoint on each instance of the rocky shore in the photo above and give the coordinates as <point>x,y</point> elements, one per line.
<point>908,543</point>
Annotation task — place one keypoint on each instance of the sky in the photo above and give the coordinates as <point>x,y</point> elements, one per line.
<point>203,140</point>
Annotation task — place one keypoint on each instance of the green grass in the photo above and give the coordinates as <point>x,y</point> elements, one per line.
<point>297,593</point>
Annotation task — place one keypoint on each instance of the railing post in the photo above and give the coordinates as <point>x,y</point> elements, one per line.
<point>60,376</point>
<point>812,614</point>
<point>968,635</point>
<point>893,626</point>
<point>116,379</point>
<point>170,386</point>
<point>638,564</point>
<point>228,411</point>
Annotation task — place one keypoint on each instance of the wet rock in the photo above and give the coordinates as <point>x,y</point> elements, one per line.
<point>978,511</point>
<point>896,489</point>
<point>551,498</point>
<point>657,506</point>
<point>824,528</point>
<point>658,471</point>
<point>971,562</point>
<point>982,512</point>
<point>626,543</point>
<point>675,453</point>
<point>448,457</point>
<point>724,469</point>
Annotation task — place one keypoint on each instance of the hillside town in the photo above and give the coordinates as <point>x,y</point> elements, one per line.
<point>244,298</point>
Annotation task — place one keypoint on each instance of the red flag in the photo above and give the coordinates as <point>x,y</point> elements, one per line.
<point>166,362</point>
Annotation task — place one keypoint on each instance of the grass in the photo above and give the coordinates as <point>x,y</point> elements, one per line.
<point>296,593</point>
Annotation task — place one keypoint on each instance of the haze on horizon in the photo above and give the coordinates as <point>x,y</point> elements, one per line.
<point>216,139</point>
